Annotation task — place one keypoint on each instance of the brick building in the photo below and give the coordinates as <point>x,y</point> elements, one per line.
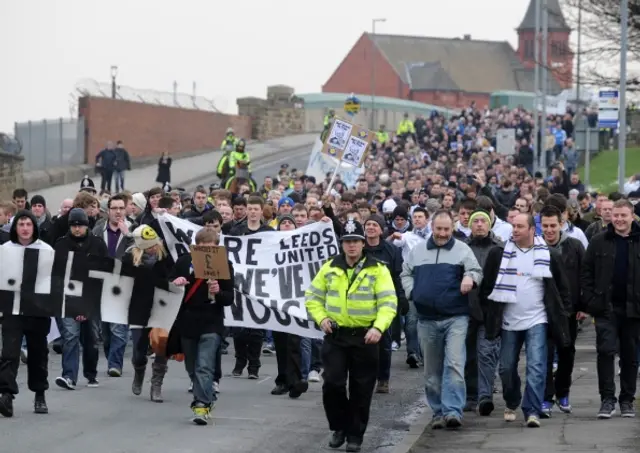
<point>453,72</point>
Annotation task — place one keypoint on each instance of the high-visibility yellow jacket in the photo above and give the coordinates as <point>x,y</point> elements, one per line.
<point>406,127</point>
<point>370,301</point>
<point>382,137</point>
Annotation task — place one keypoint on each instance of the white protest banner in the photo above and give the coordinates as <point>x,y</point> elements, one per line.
<point>178,234</point>
<point>275,269</point>
<point>320,164</point>
<point>272,272</point>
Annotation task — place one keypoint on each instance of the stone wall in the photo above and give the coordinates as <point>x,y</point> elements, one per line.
<point>10,174</point>
<point>279,115</point>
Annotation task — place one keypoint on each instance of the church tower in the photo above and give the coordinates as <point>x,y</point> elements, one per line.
<point>559,53</point>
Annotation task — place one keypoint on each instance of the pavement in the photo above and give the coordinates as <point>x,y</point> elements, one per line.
<point>190,171</point>
<point>247,418</point>
<point>578,432</point>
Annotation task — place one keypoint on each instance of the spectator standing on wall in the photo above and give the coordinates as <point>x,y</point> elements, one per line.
<point>164,169</point>
<point>121,164</point>
<point>105,164</point>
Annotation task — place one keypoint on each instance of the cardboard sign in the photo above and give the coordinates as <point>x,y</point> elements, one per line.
<point>348,142</point>
<point>506,141</point>
<point>210,262</point>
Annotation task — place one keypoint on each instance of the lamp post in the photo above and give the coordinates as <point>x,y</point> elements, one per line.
<point>622,108</point>
<point>114,88</point>
<point>373,71</point>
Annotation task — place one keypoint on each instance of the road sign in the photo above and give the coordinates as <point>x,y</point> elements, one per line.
<point>608,109</point>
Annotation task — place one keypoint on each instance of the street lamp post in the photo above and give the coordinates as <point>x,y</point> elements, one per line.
<point>114,87</point>
<point>622,108</point>
<point>373,71</point>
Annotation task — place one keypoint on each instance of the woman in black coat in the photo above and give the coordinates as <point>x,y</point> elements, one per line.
<point>164,169</point>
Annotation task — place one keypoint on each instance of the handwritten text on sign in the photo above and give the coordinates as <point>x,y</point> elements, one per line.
<point>210,262</point>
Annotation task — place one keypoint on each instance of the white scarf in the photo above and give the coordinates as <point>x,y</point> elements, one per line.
<point>506,283</point>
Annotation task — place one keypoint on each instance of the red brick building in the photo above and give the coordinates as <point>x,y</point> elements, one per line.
<point>454,72</point>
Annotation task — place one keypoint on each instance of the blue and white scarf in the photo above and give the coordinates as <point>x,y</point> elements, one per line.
<point>506,283</point>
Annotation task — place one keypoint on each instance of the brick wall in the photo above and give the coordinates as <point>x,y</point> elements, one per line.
<point>10,174</point>
<point>148,130</point>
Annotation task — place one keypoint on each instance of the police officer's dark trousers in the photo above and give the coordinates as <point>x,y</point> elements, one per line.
<point>35,329</point>
<point>348,360</point>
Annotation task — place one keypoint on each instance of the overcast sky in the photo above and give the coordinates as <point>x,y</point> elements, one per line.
<point>230,49</point>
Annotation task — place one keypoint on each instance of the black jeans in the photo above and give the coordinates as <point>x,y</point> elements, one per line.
<point>471,365</point>
<point>107,176</point>
<point>396,329</point>
<point>613,331</point>
<point>288,357</point>
<point>35,330</point>
<point>560,386</point>
<point>248,346</point>
<point>141,342</point>
<point>347,358</point>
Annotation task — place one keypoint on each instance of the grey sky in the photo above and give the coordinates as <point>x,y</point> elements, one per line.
<point>230,49</point>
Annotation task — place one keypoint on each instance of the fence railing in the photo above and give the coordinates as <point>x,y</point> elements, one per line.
<point>51,143</point>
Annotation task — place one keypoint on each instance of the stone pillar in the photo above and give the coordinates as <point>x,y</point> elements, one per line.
<point>11,176</point>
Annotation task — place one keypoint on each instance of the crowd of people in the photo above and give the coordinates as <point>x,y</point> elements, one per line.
<point>462,254</point>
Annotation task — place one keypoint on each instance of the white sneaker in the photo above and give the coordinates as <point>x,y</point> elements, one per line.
<point>509,415</point>
<point>216,387</point>
<point>190,389</point>
<point>395,346</point>
<point>65,383</point>
<point>314,376</point>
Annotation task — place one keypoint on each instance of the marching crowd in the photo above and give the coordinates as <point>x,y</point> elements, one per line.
<point>464,255</point>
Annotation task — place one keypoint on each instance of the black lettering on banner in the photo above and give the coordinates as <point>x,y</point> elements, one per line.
<point>251,251</point>
<point>290,279</point>
<point>254,316</point>
<point>233,246</point>
<point>329,236</point>
<point>332,250</point>
<point>281,316</point>
<point>181,237</point>
<point>314,268</point>
<point>260,282</point>
<point>237,308</point>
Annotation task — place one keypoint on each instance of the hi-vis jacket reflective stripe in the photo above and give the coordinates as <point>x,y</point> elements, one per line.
<point>369,301</point>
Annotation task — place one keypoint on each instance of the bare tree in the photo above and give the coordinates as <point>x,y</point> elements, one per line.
<point>600,52</point>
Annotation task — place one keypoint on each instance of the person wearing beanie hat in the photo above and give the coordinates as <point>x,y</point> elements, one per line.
<point>289,222</point>
<point>39,210</point>
<point>387,253</point>
<point>479,375</point>
<point>79,331</point>
<point>400,220</point>
<point>148,251</point>
<point>285,205</point>
<point>24,233</point>
<point>354,325</point>
<point>139,202</point>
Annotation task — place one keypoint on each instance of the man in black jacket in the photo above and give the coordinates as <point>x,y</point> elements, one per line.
<point>390,255</point>
<point>200,325</point>
<point>572,252</point>
<point>610,287</point>
<point>248,342</point>
<point>482,354</point>
<point>80,330</point>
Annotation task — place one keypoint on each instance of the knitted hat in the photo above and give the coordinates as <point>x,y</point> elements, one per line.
<point>77,217</point>
<point>139,200</point>
<point>146,237</point>
<point>479,213</point>
<point>432,205</point>
<point>401,211</point>
<point>388,206</point>
<point>38,199</point>
<point>285,201</point>
<point>284,217</point>
<point>377,219</point>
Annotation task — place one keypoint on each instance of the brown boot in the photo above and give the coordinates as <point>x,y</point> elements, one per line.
<point>383,387</point>
<point>157,377</point>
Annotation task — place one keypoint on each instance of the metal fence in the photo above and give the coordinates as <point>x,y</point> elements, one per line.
<point>51,143</point>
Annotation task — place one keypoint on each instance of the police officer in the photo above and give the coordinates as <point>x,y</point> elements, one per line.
<point>353,300</point>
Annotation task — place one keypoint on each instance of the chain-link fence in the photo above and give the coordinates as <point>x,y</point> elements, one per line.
<point>51,143</point>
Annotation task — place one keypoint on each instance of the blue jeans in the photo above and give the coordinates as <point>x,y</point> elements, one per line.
<point>488,356</point>
<point>74,334</point>
<point>384,356</point>
<point>535,341</point>
<point>411,332</point>
<point>311,356</point>
<point>444,348</point>
<point>114,338</point>
<point>200,357</point>
<point>119,176</point>
<point>268,337</point>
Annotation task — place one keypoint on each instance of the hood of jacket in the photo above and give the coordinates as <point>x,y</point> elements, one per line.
<point>13,230</point>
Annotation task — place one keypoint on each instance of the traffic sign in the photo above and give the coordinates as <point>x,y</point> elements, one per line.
<point>608,109</point>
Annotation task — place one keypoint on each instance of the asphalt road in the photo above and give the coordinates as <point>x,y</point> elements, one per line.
<point>247,418</point>
<point>297,158</point>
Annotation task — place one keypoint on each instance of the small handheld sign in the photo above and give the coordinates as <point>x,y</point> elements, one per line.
<point>210,262</point>
<point>352,105</point>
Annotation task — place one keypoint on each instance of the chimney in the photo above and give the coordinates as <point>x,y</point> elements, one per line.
<point>467,37</point>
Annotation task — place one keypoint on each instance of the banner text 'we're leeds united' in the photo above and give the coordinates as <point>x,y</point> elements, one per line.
<point>272,272</point>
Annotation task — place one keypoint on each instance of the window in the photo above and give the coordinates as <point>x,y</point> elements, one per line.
<point>528,49</point>
<point>559,48</point>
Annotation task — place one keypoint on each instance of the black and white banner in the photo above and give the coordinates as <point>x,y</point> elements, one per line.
<point>44,283</point>
<point>272,272</point>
